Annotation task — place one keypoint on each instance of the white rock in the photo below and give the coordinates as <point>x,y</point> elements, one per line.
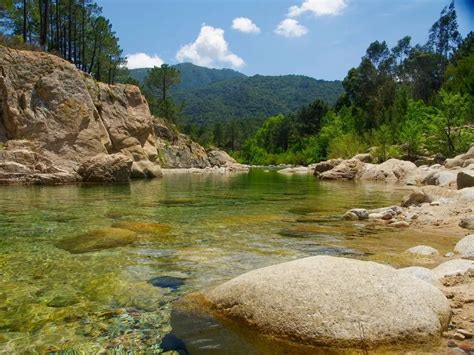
<point>422,273</point>
<point>423,250</point>
<point>326,301</point>
<point>453,267</point>
<point>465,247</point>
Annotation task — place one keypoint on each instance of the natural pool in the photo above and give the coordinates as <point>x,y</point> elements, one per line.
<point>62,290</point>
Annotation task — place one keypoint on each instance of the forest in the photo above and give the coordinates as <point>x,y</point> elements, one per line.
<point>72,29</point>
<point>404,102</point>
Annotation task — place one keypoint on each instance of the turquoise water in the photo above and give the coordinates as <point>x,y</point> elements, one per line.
<point>76,261</point>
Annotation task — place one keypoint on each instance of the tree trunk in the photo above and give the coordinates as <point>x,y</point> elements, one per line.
<point>25,20</point>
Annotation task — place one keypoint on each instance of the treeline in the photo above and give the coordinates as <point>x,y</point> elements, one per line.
<point>403,102</point>
<point>72,29</point>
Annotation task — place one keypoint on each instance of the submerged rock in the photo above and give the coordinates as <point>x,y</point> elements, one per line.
<point>97,240</point>
<point>465,247</point>
<point>143,227</point>
<point>167,282</point>
<point>335,302</point>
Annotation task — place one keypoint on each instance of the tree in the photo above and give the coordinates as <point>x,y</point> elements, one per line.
<point>449,120</point>
<point>158,84</point>
<point>444,36</point>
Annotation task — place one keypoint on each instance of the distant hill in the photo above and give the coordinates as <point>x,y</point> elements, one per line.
<point>212,95</point>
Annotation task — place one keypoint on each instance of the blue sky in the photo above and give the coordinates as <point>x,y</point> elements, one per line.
<point>319,38</point>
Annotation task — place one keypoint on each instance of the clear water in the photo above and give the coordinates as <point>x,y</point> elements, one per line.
<point>59,292</point>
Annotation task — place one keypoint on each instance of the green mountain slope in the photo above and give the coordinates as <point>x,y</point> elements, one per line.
<point>221,95</point>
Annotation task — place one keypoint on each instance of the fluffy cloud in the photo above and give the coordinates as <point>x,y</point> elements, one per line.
<point>318,7</point>
<point>209,50</point>
<point>143,60</point>
<point>245,25</point>
<point>290,28</point>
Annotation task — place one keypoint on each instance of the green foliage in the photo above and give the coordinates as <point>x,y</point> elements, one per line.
<point>73,29</point>
<point>157,87</point>
<point>393,103</point>
<point>346,146</point>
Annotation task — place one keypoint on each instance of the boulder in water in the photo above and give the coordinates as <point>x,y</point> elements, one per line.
<point>335,302</point>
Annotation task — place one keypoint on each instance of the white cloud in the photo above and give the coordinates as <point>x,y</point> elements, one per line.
<point>245,25</point>
<point>318,7</point>
<point>209,50</point>
<point>290,28</point>
<point>143,60</point>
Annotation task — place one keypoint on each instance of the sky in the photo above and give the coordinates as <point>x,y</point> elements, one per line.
<point>319,38</point>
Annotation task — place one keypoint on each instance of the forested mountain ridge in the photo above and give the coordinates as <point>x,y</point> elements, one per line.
<point>220,95</point>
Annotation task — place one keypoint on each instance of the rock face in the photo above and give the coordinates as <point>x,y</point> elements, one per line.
<point>67,118</point>
<point>465,247</point>
<point>55,118</point>
<point>330,301</point>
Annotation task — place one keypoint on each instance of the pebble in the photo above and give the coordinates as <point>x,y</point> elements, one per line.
<point>449,255</point>
<point>459,336</point>
<point>452,344</point>
<point>465,333</point>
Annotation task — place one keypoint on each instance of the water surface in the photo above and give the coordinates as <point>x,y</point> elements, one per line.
<point>172,236</point>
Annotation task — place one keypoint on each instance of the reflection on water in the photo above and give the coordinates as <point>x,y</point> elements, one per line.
<point>93,268</point>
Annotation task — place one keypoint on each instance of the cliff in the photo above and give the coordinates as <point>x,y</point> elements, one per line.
<point>58,125</point>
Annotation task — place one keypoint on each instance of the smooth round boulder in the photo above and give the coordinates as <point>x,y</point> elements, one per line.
<point>423,250</point>
<point>335,302</point>
<point>465,247</point>
<point>453,267</point>
<point>421,273</point>
<point>467,222</point>
<point>356,214</point>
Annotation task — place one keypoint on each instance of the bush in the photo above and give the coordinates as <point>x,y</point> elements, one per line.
<point>346,146</point>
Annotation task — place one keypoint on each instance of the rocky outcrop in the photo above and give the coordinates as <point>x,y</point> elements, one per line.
<point>345,170</point>
<point>66,119</point>
<point>325,166</point>
<point>54,118</point>
<point>335,302</point>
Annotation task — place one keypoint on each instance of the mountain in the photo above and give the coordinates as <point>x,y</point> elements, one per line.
<point>220,95</point>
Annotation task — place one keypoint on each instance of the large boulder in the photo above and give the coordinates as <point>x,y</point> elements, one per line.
<point>453,267</point>
<point>440,178</point>
<point>335,302</point>
<point>422,273</point>
<point>391,170</point>
<point>465,179</point>
<point>326,166</point>
<point>218,157</point>
<point>106,168</point>
<point>346,170</point>
<point>459,160</point>
<point>465,247</point>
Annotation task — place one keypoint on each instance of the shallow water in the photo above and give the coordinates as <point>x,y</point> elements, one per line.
<point>170,237</point>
